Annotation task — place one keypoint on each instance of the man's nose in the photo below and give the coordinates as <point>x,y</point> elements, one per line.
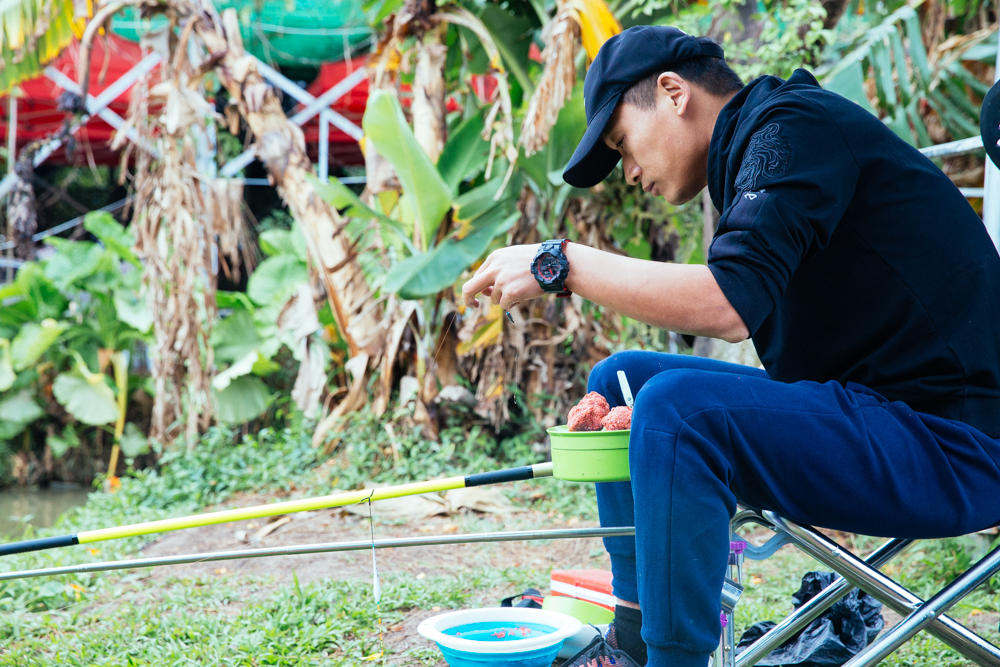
<point>633,173</point>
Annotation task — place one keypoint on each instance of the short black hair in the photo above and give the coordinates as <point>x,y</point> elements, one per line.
<point>712,75</point>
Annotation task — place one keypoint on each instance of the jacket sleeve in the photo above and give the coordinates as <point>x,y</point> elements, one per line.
<point>796,180</point>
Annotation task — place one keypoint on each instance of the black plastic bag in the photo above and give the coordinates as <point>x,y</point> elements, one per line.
<point>599,653</point>
<point>530,598</point>
<point>833,638</point>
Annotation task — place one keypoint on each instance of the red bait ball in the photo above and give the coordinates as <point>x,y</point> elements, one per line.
<point>619,419</point>
<point>588,413</point>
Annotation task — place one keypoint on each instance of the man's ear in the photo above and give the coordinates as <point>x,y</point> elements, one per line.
<point>673,89</point>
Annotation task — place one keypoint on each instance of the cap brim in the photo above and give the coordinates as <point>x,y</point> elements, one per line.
<point>592,160</point>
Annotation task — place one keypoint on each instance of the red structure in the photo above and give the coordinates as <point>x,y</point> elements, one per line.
<point>38,115</point>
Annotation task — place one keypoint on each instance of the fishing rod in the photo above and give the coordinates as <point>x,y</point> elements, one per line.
<point>522,473</point>
<point>326,547</point>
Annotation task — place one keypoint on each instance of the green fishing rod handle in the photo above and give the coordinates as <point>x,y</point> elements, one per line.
<point>41,544</point>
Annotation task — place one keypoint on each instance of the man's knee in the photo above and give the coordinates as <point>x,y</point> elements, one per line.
<point>604,376</point>
<point>671,396</point>
<point>668,403</point>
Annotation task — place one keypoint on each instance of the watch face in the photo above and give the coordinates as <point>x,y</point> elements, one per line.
<point>548,267</point>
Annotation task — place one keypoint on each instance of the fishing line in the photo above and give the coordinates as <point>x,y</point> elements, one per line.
<point>376,588</point>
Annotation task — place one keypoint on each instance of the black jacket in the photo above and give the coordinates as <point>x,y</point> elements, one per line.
<point>850,256</point>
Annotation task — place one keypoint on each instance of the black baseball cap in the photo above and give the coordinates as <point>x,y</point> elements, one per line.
<point>623,61</point>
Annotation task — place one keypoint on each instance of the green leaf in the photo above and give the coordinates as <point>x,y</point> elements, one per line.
<point>234,300</point>
<point>342,198</point>
<point>60,444</point>
<point>91,402</point>
<point>276,242</point>
<point>73,261</point>
<point>264,366</point>
<point>402,272</point>
<point>133,441</point>
<point>7,375</point>
<point>244,399</point>
<point>904,84</point>
<point>277,278</point>
<point>438,269</point>
<point>477,201</point>
<point>20,408</point>
<point>849,82</point>
<point>32,341</point>
<point>239,368</point>
<point>133,310</point>
<point>114,237</point>
<point>234,337</point>
<point>563,139</point>
<point>512,34</point>
<point>465,153</point>
<point>386,127</point>
<point>918,55</point>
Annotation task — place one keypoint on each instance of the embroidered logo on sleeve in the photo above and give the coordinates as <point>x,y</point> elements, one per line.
<point>767,155</point>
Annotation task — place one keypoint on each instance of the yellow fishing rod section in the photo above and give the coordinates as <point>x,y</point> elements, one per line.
<point>289,507</point>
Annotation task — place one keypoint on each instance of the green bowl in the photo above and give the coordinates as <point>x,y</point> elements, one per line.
<point>581,610</point>
<point>589,456</point>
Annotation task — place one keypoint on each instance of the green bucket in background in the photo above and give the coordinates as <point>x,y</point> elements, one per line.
<point>589,456</point>
<point>286,33</point>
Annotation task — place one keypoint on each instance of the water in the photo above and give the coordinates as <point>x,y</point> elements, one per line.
<point>43,505</point>
<point>499,631</point>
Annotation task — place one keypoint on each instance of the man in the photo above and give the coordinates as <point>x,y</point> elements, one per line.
<point>871,291</point>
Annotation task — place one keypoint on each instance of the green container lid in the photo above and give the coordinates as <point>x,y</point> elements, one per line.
<point>589,456</point>
<point>581,610</point>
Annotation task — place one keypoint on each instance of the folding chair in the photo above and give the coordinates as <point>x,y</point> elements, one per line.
<point>854,572</point>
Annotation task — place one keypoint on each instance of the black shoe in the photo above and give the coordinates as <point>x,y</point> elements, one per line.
<point>603,652</point>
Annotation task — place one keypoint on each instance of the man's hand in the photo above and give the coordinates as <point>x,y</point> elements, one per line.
<point>678,297</point>
<point>505,277</point>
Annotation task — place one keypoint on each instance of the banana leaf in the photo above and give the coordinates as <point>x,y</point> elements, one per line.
<point>428,273</point>
<point>465,153</point>
<point>428,197</point>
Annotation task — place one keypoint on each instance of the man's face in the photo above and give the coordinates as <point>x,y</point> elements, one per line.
<point>665,148</point>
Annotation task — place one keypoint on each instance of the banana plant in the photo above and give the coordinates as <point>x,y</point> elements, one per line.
<point>277,310</point>
<point>907,81</point>
<point>77,311</point>
<point>33,32</point>
<point>446,230</point>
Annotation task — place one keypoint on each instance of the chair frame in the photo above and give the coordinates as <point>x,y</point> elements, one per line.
<point>854,573</point>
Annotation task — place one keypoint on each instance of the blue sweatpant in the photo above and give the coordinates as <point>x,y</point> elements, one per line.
<point>707,434</point>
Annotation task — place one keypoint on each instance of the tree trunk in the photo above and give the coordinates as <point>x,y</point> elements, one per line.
<point>22,213</point>
<point>429,123</point>
<point>834,11</point>
<point>381,177</point>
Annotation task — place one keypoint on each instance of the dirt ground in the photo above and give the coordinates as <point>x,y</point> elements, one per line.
<point>339,526</point>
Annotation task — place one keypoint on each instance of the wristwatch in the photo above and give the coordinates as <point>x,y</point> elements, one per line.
<point>551,268</point>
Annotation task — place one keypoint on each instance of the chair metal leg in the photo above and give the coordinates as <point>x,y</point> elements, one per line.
<point>886,591</point>
<point>928,612</point>
<point>811,610</point>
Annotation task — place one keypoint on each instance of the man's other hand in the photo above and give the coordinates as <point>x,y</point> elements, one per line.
<point>505,277</point>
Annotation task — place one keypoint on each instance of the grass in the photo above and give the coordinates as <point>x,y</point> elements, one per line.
<point>245,622</point>
<point>125,619</point>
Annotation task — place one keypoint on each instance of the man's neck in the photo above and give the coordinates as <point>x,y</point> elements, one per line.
<point>713,107</point>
